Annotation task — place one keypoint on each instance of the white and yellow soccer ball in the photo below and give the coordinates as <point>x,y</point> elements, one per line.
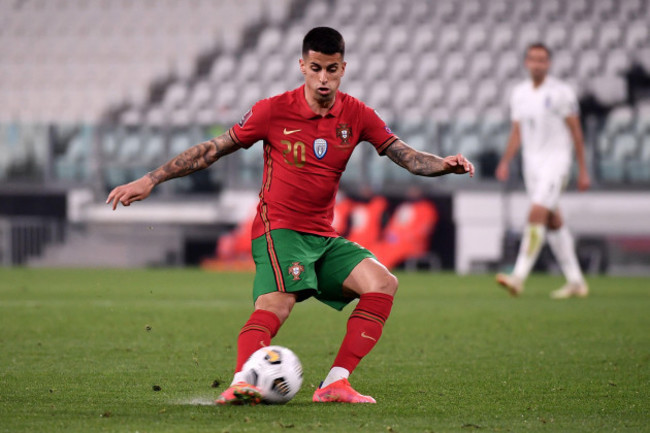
<point>277,371</point>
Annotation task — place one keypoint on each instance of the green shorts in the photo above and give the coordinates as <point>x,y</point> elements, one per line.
<point>305,264</point>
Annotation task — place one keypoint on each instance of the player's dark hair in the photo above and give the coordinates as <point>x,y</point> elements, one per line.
<point>540,46</point>
<point>324,40</point>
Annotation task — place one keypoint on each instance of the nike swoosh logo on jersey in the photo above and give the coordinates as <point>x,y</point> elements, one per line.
<point>364,335</point>
<point>290,132</point>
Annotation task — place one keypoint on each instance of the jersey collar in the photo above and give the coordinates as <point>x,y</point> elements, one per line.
<point>307,112</point>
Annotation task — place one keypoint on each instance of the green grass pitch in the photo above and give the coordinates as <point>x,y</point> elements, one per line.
<point>83,349</point>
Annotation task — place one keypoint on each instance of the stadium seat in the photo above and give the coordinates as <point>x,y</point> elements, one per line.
<point>270,41</point>
<point>380,94</point>
<point>630,10</point>
<point>638,169</point>
<point>623,149</point>
<point>470,11</point>
<point>616,63</point>
<point>432,95</point>
<point>366,222</point>
<point>556,37</point>
<point>550,10</point>
<point>407,233</point>
<point>376,68</point>
<point>636,35</point>
<point>486,95</point>
<point>481,67</point>
<point>475,39</point>
<point>397,39</point>
<point>582,37</point>
<point>619,120</point>
<point>508,66</point>
<point>502,38</point>
<point>609,90</point>
<point>642,127</point>
<point>588,65</point>
<point>427,68</point>
<point>422,40</point>
<point>454,67</point>
<point>563,63</point>
<point>459,94</point>
<point>406,95</point>
<point>522,11</point>
<point>402,68</point>
<point>497,11</point>
<point>449,38</point>
<point>576,10</point>
<point>603,9</point>
<point>609,36</point>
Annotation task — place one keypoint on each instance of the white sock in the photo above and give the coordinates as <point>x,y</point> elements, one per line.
<point>531,245</point>
<point>336,373</point>
<point>239,377</point>
<point>563,248</point>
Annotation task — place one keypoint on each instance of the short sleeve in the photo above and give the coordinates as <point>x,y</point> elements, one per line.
<point>568,103</point>
<point>515,107</point>
<point>375,131</point>
<point>253,126</point>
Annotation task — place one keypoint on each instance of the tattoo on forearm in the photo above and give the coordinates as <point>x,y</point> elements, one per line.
<point>195,158</point>
<point>419,163</point>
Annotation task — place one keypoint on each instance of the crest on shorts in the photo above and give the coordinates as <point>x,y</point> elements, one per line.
<point>320,147</point>
<point>295,270</point>
<point>344,133</point>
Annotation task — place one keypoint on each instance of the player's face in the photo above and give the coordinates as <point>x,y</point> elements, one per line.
<point>537,63</point>
<point>323,73</point>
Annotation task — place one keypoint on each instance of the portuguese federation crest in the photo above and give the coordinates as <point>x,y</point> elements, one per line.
<point>344,133</point>
<point>295,270</point>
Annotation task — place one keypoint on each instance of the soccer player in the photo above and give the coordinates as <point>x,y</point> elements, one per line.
<point>309,134</point>
<point>545,122</point>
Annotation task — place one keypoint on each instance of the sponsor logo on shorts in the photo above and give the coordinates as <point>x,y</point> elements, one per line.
<point>295,270</point>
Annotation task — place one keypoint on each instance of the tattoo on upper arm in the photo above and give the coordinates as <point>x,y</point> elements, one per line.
<point>419,163</point>
<point>195,158</point>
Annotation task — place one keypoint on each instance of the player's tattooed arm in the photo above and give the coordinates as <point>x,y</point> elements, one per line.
<point>193,159</point>
<point>427,164</point>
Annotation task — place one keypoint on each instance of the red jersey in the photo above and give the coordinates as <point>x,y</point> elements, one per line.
<point>304,157</point>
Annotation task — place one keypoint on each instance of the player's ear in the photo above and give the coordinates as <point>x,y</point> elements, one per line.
<point>302,65</point>
<point>343,68</point>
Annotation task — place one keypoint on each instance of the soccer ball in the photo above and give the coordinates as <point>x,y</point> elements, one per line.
<point>277,371</point>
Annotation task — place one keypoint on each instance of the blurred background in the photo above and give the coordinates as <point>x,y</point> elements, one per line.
<point>95,93</point>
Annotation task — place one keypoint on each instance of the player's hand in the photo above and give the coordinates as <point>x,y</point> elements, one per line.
<point>458,164</point>
<point>584,182</point>
<point>130,192</point>
<point>502,172</point>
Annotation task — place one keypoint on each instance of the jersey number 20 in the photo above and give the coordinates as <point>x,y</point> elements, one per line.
<point>298,151</point>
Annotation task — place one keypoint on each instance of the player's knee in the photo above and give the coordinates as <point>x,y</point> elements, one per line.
<point>388,284</point>
<point>278,303</point>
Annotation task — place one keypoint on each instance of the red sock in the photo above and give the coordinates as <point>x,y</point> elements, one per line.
<point>364,329</point>
<point>256,333</point>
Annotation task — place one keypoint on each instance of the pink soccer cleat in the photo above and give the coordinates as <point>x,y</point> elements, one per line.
<point>340,392</point>
<point>240,394</point>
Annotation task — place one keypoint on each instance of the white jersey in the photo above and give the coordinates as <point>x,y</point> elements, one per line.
<point>541,113</point>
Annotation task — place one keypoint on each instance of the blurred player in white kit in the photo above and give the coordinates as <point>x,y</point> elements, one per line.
<point>545,122</point>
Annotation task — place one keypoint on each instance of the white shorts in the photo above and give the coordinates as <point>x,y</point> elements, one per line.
<point>544,187</point>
